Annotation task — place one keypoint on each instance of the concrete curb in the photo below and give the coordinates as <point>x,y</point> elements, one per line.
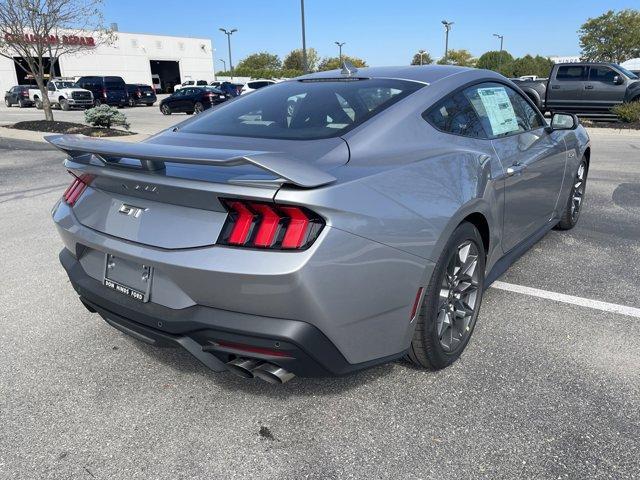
<point>10,133</point>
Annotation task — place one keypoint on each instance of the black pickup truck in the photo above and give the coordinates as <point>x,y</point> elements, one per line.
<point>586,88</point>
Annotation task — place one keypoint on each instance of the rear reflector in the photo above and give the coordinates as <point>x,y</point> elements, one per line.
<point>77,187</point>
<point>416,303</point>
<point>266,225</point>
<point>252,349</point>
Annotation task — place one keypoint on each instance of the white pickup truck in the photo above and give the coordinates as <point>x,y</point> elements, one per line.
<point>65,93</point>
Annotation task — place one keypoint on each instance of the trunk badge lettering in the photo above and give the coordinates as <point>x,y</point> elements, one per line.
<point>131,210</point>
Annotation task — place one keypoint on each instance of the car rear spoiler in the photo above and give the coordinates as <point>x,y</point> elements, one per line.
<point>153,156</point>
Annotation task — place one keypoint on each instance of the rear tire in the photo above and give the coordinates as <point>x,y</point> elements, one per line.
<point>451,303</point>
<point>38,103</point>
<point>22,104</point>
<point>198,107</point>
<point>572,209</point>
<point>97,102</point>
<point>132,102</point>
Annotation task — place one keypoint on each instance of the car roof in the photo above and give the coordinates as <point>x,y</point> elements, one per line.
<point>583,64</point>
<point>418,73</point>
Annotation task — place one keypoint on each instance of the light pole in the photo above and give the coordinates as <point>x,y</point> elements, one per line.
<point>501,37</point>
<point>224,64</point>
<point>447,29</point>
<point>304,40</point>
<point>340,50</point>
<point>228,33</point>
<point>421,53</point>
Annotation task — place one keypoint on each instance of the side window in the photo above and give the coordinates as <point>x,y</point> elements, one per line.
<point>486,110</point>
<point>568,73</point>
<point>602,74</point>
<point>456,115</point>
<point>525,113</point>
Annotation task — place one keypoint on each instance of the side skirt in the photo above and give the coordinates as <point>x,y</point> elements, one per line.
<point>516,252</point>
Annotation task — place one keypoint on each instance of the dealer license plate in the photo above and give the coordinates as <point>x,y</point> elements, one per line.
<point>127,277</point>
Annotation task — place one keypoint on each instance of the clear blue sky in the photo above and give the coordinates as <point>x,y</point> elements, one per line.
<point>382,32</point>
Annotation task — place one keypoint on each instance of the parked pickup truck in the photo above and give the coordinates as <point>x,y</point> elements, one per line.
<point>65,93</point>
<point>584,88</point>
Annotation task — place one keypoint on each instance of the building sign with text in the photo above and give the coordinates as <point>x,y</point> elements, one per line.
<point>51,39</point>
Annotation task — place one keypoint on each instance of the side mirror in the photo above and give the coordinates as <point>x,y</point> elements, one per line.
<point>563,121</point>
<point>618,80</point>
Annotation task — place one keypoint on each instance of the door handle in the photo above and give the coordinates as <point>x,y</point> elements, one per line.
<point>588,87</point>
<point>515,168</point>
<point>555,87</point>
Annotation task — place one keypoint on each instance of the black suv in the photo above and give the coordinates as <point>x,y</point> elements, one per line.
<point>18,95</point>
<point>140,94</point>
<point>192,99</point>
<point>107,90</point>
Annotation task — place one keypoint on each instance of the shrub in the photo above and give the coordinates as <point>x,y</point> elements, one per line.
<point>106,116</point>
<point>628,112</point>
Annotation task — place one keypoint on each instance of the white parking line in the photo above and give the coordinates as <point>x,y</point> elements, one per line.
<point>560,297</point>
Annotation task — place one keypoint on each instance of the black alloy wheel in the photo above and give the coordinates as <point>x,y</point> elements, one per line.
<point>574,204</point>
<point>449,309</point>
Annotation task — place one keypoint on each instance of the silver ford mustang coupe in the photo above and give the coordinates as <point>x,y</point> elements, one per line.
<point>323,224</point>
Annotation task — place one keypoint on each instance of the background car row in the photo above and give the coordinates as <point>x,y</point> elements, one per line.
<point>85,92</point>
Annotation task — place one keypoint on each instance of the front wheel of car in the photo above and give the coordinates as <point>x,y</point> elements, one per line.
<point>572,209</point>
<point>64,104</point>
<point>7,102</point>
<point>165,109</point>
<point>451,302</point>
<point>132,102</point>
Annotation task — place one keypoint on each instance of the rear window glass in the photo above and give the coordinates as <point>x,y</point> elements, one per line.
<point>146,88</point>
<point>308,110</point>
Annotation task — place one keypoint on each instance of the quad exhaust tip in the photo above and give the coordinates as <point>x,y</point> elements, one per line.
<point>272,373</point>
<point>250,368</point>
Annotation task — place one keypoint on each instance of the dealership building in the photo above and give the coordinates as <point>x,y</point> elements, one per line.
<point>133,56</point>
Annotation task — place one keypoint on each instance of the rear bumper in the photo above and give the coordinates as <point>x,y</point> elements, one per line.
<point>306,351</point>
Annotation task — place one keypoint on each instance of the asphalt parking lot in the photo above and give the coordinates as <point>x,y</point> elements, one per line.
<point>145,120</point>
<point>546,389</point>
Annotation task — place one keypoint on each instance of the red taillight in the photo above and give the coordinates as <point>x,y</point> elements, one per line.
<point>25,93</point>
<point>266,225</point>
<point>77,187</point>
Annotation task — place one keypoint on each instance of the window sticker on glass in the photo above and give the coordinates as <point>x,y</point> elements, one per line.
<point>497,105</point>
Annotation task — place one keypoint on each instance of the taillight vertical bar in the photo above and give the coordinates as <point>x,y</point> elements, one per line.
<point>296,232</point>
<point>268,227</point>
<point>242,225</point>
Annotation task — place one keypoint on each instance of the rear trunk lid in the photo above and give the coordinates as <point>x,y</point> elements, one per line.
<point>165,192</point>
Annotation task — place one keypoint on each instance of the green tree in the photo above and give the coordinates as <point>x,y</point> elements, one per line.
<point>426,58</point>
<point>528,65</point>
<point>495,60</point>
<point>293,61</point>
<point>331,63</point>
<point>260,61</point>
<point>462,58</point>
<point>611,37</point>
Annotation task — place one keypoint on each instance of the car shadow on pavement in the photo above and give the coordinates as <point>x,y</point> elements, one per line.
<point>182,362</point>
